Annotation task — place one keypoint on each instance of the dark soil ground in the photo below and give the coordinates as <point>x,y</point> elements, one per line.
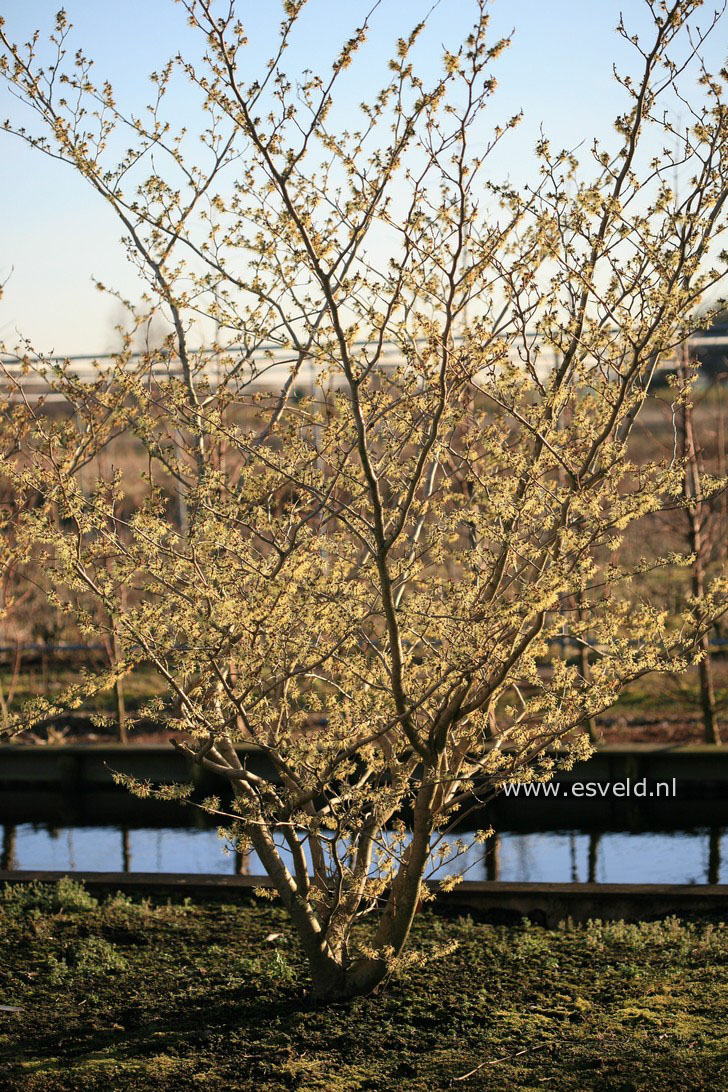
<point>659,728</point>
<point>125,994</point>
<point>660,709</point>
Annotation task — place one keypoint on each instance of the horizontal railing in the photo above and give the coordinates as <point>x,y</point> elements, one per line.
<point>268,368</point>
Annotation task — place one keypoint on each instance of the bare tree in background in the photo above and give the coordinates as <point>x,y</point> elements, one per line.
<point>703,521</point>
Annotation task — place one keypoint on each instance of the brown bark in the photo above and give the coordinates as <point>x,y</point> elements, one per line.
<point>8,858</point>
<point>120,711</point>
<point>692,493</point>
<point>492,858</point>
<point>584,667</point>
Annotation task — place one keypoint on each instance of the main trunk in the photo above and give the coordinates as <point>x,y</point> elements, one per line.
<point>332,979</point>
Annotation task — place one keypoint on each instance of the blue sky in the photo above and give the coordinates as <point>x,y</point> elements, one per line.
<point>57,234</point>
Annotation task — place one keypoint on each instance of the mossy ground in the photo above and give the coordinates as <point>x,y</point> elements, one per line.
<point>123,993</point>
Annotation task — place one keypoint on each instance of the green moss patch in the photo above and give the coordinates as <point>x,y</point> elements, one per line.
<point>128,993</point>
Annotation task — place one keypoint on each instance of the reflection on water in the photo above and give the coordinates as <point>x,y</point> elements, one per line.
<point>694,856</point>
